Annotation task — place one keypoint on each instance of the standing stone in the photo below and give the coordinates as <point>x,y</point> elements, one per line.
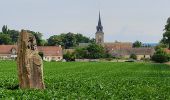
<point>30,65</point>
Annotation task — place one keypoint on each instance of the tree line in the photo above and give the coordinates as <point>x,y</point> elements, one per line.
<point>66,40</point>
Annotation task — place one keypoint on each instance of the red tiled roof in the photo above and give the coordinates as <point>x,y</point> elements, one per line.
<point>6,49</point>
<point>119,45</point>
<point>47,50</point>
<point>50,50</point>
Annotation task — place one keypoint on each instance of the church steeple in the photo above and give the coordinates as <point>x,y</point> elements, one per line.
<point>99,34</point>
<point>99,27</point>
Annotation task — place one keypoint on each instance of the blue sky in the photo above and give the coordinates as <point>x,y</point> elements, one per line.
<point>123,20</point>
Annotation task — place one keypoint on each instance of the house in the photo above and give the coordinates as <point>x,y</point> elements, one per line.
<point>127,52</point>
<point>118,45</point>
<point>8,52</point>
<point>50,53</point>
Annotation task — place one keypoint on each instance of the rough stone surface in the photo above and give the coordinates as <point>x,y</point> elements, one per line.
<point>30,65</point>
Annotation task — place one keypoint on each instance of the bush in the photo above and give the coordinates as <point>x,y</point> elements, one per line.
<point>133,56</point>
<point>160,56</point>
<point>69,56</point>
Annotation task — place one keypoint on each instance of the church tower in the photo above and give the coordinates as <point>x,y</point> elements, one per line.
<point>99,34</point>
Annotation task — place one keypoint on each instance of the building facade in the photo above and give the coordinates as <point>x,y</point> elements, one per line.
<point>50,53</point>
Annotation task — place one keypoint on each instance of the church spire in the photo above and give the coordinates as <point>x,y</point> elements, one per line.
<point>99,27</point>
<point>99,22</point>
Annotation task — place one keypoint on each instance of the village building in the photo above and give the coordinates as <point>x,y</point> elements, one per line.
<point>121,49</point>
<point>50,53</point>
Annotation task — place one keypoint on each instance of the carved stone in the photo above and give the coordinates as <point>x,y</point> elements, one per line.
<point>30,65</point>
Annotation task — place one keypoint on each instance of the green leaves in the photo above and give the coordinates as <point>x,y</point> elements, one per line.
<point>102,80</point>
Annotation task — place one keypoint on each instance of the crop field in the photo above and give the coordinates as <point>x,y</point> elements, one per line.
<point>93,80</point>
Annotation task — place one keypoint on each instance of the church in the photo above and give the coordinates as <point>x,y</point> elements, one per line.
<point>121,49</point>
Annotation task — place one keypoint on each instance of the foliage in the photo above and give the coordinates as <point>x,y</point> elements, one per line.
<point>69,56</point>
<point>92,51</point>
<point>166,34</point>
<point>82,39</point>
<point>95,51</point>
<point>160,56</point>
<point>137,44</point>
<point>133,56</point>
<point>5,29</point>
<point>5,39</point>
<point>160,46</point>
<point>75,80</point>
<point>81,53</point>
<point>13,35</point>
<point>7,33</point>
<point>68,40</point>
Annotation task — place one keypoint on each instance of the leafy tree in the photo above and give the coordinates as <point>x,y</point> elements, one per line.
<point>13,35</point>
<point>5,29</point>
<point>95,51</point>
<point>5,39</point>
<point>161,45</point>
<point>166,34</point>
<point>137,44</point>
<point>69,40</point>
<point>81,53</point>
<point>81,39</point>
<point>160,56</point>
<point>44,42</point>
<point>56,40</point>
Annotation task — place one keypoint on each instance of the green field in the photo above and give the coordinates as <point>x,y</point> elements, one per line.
<point>92,80</point>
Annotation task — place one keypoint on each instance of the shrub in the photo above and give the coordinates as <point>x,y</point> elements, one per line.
<point>69,56</point>
<point>133,56</point>
<point>160,56</point>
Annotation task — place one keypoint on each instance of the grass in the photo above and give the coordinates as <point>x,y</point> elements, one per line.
<point>94,80</point>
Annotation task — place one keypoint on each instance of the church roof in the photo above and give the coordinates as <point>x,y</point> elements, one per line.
<point>99,26</point>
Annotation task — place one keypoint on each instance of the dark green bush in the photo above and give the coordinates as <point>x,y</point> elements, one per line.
<point>160,56</point>
<point>133,56</point>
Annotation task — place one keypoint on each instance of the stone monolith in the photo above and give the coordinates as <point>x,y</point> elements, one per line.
<point>30,65</point>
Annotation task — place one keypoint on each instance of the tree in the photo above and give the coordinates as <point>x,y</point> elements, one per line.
<point>160,56</point>
<point>69,56</point>
<point>95,51</point>
<point>56,40</point>
<point>166,34</point>
<point>5,39</point>
<point>5,29</point>
<point>137,44</point>
<point>68,40</point>
<point>81,39</point>
<point>81,53</point>
<point>13,35</point>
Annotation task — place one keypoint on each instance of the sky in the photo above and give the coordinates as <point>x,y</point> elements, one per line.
<point>123,20</point>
